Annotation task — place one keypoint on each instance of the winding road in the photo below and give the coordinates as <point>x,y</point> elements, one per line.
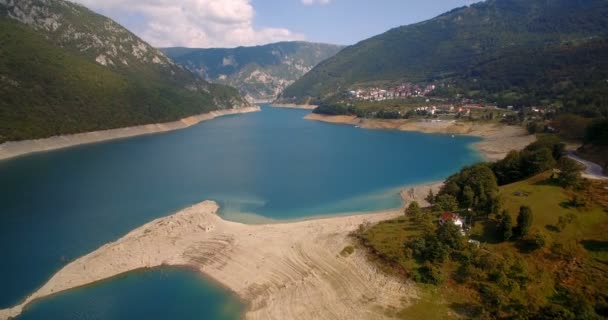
<point>592,170</point>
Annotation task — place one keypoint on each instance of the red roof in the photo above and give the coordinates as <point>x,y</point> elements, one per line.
<point>449,216</point>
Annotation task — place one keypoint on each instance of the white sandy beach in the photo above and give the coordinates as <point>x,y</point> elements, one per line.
<point>19,148</point>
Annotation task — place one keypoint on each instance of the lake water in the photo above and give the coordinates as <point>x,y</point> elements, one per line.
<point>57,206</point>
<point>158,294</point>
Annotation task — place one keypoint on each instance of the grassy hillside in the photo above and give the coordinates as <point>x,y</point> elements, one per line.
<point>260,72</point>
<point>68,70</point>
<point>558,269</point>
<point>468,48</point>
<point>573,259</point>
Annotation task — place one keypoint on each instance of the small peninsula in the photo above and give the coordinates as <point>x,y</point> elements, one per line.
<point>299,270</point>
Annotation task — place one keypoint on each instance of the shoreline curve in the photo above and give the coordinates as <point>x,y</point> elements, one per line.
<point>498,140</point>
<point>14,149</point>
<point>290,270</point>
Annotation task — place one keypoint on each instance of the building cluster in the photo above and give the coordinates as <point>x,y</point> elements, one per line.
<point>445,109</point>
<point>403,91</point>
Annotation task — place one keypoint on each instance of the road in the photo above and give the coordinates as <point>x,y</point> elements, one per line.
<point>592,170</point>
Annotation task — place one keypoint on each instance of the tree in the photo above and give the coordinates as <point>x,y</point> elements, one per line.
<point>468,197</point>
<point>506,226</point>
<point>537,161</point>
<point>414,211</point>
<point>597,133</point>
<point>509,169</point>
<point>524,221</point>
<point>430,198</point>
<point>571,126</point>
<point>446,202</point>
<point>570,172</point>
<point>481,181</point>
<point>451,236</point>
<point>552,143</point>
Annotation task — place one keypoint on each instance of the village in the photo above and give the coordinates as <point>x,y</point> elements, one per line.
<point>403,91</point>
<point>428,105</point>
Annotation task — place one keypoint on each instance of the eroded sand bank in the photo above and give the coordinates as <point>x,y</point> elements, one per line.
<point>18,148</point>
<point>498,139</point>
<point>284,271</point>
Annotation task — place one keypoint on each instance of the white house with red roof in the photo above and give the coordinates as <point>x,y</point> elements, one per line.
<point>450,217</point>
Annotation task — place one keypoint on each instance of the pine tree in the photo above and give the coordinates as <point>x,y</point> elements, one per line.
<point>506,226</point>
<point>414,212</point>
<point>524,221</point>
<point>430,198</point>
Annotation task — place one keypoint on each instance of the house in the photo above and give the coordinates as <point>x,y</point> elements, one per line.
<point>450,217</point>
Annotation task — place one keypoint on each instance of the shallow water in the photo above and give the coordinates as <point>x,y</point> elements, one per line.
<point>57,206</point>
<point>157,294</point>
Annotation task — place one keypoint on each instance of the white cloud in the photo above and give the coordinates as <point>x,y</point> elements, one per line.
<point>311,2</point>
<point>194,23</point>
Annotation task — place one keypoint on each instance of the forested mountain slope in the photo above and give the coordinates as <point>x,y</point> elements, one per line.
<point>65,69</point>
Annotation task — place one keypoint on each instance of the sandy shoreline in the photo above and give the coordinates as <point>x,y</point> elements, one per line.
<point>19,148</point>
<point>283,270</point>
<point>498,140</point>
<point>294,106</point>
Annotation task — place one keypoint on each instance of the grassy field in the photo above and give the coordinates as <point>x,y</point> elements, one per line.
<point>574,256</point>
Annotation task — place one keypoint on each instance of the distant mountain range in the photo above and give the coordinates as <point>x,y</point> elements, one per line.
<point>509,52</point>
<point>65,69</point>
<point>260,72</point>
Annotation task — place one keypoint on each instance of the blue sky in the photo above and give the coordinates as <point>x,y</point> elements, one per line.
<point>348,21</point>
<point>230,23</point>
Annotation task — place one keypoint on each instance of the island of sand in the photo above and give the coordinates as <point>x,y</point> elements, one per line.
<point>497,141</point>
<point>19,148</point>
<point>283,271</point>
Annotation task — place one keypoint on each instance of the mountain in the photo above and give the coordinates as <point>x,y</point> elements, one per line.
<point>504,51</point>
<point>65,69</point>
<point>260,72</point>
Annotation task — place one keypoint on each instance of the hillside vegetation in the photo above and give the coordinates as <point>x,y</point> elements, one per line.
<point>65,69</point>
<point>259,72</point>
<point>536,248</point>
<point>519,52</point>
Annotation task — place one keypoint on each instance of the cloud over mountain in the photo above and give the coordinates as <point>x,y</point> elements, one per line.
<point>192,23</point>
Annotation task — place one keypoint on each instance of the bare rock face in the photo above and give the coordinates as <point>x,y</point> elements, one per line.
<point>260,73</point>
<point>74,26</point>
<point>90,74</point>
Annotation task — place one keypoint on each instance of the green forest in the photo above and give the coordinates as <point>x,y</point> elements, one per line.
<point>503,52</point>
<point>48,86</point>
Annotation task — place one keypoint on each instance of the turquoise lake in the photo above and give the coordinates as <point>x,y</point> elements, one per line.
<point>57,206</point>
<point>157,294</point>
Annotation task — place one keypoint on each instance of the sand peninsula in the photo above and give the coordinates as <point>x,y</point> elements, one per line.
<point>497,141</point>
<point>19,148</point>
<point>283,271</point>
<point>291,270</point>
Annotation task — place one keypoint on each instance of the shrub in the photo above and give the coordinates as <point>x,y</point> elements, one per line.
<point>430,273</point>
<point>536,241</point>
